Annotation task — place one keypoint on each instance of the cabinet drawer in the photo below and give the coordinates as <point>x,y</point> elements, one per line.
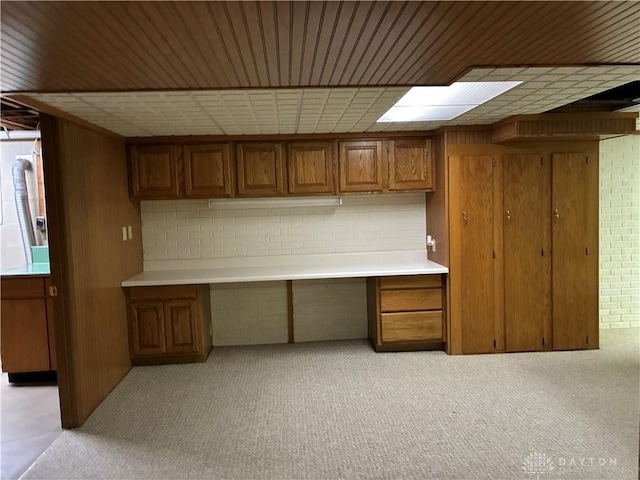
<point>411,281</point>
<point>411,326</point>
<point>411,300</point>
<point>162,293</point>
<point>24,287</point>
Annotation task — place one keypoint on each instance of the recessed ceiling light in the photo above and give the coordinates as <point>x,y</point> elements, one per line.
<point>422,104</point>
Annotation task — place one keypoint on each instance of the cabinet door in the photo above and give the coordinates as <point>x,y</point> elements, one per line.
<point>310,168</point>
<point>154,171</point>
<point>53,359</point>
<point>260,169</point>
<point>410,165</point>
<point>181,326</point>
<point>575,251</point>
<point>146,332</point>
<point>527,259</point>
<point>207,170</point>
<point>472,262</point>
<point>25,344</point>
<point>361,166</point>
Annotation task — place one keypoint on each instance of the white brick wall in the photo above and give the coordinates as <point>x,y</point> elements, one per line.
<point>187,229</point>
<point>620,232</point>
<point>329,309</point>
<point>249,313</point>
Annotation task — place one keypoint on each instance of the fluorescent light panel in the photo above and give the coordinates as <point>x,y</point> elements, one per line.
<point>422,104</point>
<point>279,202</point>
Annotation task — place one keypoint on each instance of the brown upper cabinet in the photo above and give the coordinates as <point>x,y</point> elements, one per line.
<point>154,171</point>
<point>261,169</point>
<point>361,166</point>
<point>172,171</point>
<point>410,165</point>
<point>310,168</point>
<point>207,170</point>
<point>254,169</point>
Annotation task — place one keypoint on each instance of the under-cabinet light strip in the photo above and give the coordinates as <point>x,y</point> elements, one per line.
<point>284,202</point>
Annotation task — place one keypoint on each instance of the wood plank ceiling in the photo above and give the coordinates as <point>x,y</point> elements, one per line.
<point>116,46</point>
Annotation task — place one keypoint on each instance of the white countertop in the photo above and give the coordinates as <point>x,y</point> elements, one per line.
<point>294,267</point>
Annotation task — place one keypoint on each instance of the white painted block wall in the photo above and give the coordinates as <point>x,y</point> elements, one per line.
<point>330,309</point>
<point>249,313</point>
<point>620,232</point>
<point>253,313</point>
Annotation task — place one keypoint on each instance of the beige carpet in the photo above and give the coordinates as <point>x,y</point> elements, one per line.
<point>339,410</point>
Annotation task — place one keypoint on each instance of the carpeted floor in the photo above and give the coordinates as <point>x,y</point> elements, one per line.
<point>339,410</point>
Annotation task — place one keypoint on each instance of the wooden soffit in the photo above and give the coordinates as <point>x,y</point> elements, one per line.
<point>564,126</point>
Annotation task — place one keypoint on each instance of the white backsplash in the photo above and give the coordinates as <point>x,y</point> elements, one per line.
<point>188,229</point>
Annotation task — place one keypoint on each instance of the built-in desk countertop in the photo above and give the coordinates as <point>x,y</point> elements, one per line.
<point>292,267</point>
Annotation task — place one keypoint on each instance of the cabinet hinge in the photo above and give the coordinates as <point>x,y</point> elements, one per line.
<point>542,252</point>
<point>542,161</point>
<point>586,251</point>
<point>586,159</point>
<point>493,162</point>
<point>543,341</point>
<point>494,254</point>
<point>587,339</point>
<point>495,344</point>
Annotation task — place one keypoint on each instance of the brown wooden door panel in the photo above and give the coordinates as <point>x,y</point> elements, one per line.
<point>154,171</point>
<point>207,170</point>
<point>147,332</point>
<point>575,249</point>
<point>310,168</point>
<point>410,165</point>
<point>527,258</point>
<point>182,331</point>
<point>25,344</point>
<point>51,330</point>
<point>476,253</point>
<point>261,169</point>
<point>361,166</point>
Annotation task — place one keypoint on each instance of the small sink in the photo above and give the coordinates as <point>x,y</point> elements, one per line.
<point>40,254</point>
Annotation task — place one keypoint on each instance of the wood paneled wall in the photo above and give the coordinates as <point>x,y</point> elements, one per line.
<point>88,204</point>
<point>437,204</point>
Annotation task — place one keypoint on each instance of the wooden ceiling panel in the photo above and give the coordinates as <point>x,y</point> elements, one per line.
<point>114,46</point>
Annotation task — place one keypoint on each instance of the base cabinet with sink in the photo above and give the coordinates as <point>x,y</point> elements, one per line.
<point>28,343</point>
<point>169,324</point>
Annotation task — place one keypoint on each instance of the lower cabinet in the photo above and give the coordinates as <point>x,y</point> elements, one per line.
<point>28,343</point>
<point>169,324</point>
<point>406,312</point>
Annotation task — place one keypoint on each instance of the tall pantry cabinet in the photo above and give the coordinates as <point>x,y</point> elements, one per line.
<point>523,245</point>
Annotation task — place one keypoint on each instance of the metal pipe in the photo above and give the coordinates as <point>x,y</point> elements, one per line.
<point>21,196</point>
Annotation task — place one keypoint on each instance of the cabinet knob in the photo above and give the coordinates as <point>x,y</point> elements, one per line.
<point>53,291</point>
<point>508,214</point>
<point>556,215</point>
<point>464,217</point>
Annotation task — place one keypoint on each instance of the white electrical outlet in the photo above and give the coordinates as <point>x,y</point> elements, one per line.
<point>124,234</point>
<point>130,232</point>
